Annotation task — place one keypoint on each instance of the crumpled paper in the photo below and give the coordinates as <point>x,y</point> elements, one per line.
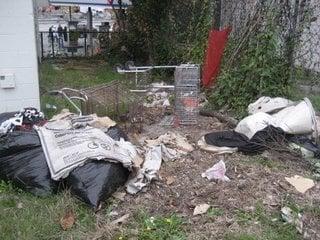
<point>156,151</point>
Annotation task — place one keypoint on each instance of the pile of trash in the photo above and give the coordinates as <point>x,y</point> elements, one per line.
<point>23,120</point>
<point>89,155</point>
<point>158,95</point>
<point>271,122</point>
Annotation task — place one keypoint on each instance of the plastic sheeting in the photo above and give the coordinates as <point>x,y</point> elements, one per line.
<point>214,53</point>
<point>269,105</point>
<point>96,181</point>
<point>298,119</point>
<point>22,162</point>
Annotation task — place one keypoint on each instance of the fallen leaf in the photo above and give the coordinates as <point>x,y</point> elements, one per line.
<point>121,220</point>
<point>67,221</point>
<point>300,183</point>
<point>201,209</point>
<point>119,195</point>
<point>170,180</point>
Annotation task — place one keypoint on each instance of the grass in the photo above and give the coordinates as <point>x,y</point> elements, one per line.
<point>24,216</point>
<point>272,227</point>
<point>263,161</point>
<point>77,74</point>
<point>215,212</point>
<point>157,227</point>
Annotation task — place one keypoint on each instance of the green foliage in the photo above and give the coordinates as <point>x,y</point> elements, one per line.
<point>162,32</point>
<point>261,70</point>
<point>76,74</point>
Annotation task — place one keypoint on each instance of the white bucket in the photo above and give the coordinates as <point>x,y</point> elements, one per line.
<point>299,119</point>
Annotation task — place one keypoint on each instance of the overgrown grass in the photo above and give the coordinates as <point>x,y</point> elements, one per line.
<point>80,73</point>
<point>74,73</point>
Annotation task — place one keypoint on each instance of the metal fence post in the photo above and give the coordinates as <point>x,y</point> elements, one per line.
<point>41,40</point>
<point>85,44</point>
<point>52,44</point>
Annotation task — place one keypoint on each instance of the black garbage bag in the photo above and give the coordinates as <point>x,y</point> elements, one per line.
<point>96,181</point>
<point>22,162</point>
<point>306,143</point>
<point>5,116</point>
<point>17,141</point>
<point>116,133</point>
<point>260,142</point>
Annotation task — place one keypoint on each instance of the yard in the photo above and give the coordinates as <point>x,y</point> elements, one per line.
<point>246,208</point>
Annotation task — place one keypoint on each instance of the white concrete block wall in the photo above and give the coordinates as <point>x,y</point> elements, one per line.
<point>18,55</point>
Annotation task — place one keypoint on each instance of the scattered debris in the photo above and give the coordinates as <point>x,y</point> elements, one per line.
<point>174,140</point>
<point>119,195</point>
<point>68,220</point>
<point>215,149</point>
<point>217,172</point>
<point>289,216</point>
<point>300,183</point>
<point>121,220</point>
<point>170,180</point>
<point>201,209</point>
<point>149,170</point>
<point>157,99</point>
<point>23,120</point>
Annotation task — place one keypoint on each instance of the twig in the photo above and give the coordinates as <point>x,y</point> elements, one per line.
<point>222,118</point>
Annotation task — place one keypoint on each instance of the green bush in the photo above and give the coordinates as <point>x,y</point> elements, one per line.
<point>262,70</point>
<point>162,32</point>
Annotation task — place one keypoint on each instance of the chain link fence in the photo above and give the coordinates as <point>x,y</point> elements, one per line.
<point>298,33</point>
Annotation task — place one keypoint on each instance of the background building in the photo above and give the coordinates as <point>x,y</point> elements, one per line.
<point>19,77</point>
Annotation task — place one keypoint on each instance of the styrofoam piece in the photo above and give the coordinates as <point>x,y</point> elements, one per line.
<point>255,123</point>
<point>300,119</point>
<point>268,105</point>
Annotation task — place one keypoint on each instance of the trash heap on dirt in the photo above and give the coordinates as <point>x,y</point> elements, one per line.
<point>273,123</point>
<point>89,155</point>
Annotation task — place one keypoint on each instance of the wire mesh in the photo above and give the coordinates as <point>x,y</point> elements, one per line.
<point>187,78</point>
<point>298,33</point>
<point>114,100</point>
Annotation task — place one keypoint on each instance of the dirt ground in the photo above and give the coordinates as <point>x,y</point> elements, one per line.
<point>255,181</point>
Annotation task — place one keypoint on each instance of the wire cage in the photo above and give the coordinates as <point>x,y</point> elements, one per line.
<point>115,101</point>
<point>187,79</point>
